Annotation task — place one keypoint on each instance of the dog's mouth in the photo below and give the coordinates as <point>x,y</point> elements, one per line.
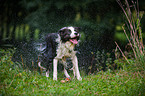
<point>74,40</point>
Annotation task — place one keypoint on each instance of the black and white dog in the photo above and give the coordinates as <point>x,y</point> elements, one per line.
<point>60,46</point>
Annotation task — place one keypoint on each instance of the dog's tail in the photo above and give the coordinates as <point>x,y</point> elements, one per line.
<point>39,64</point>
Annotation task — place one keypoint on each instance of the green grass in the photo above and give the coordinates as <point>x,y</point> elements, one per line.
<point>14,80</point>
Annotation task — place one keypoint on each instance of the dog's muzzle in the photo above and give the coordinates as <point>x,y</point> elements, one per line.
<point>74,40</point>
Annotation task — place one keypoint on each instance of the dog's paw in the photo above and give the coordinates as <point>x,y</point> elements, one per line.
<point>79,78</point>
<point>55,78</point>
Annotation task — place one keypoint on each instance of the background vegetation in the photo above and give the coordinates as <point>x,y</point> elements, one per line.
<point>111,51</point>
<point>24,24</point>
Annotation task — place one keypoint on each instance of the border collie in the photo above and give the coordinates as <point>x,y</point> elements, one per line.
<point>60,46</point>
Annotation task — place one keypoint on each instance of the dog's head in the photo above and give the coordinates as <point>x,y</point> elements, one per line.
<point>70,34</point>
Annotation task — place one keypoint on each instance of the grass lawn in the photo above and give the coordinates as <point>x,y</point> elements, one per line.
<point>15,80</point>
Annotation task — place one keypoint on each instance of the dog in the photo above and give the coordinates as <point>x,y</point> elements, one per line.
<point>60,46</point>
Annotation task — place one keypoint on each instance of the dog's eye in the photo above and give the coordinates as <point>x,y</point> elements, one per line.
<point>69,31</point>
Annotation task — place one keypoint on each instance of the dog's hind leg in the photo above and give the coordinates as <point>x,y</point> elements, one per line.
<point>39,64</point>
<point>47,73</point>
<point>55,61</point>
<point>64,63</point>
<point>66,73</point>
<point>73,71</point>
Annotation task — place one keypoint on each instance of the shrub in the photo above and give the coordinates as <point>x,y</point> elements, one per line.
<point>135,35</point>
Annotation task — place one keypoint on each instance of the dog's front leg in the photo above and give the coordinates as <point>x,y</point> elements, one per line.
<point>55,69</point>
<point>75,65</point>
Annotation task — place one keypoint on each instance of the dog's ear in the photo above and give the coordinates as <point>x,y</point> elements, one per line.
<point>61,32</point>
<point>64,34</point>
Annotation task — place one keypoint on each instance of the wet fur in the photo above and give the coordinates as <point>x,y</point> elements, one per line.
<point>58,47</point>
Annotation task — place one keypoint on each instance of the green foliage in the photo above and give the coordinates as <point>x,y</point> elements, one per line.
<point>135,39</point>
<point>102,60</point>
<point>120,36</point>
<point>96,18</point>
<point>17,81</point>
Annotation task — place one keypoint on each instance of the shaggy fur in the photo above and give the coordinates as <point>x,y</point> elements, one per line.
<point>60,46</point>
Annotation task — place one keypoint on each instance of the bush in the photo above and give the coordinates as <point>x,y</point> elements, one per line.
<point>134,38</point>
